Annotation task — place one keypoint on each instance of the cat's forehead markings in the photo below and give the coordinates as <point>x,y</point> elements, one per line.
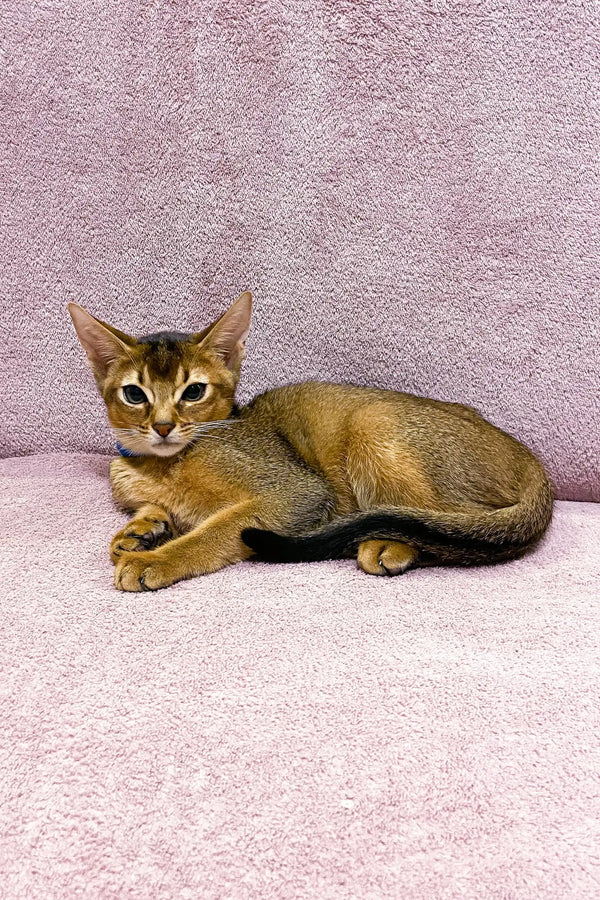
<point>167,382</point>
<point>197,375</point>
<point>132,377</point>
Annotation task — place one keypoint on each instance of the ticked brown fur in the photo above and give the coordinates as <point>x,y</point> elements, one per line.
<point>298,460</point>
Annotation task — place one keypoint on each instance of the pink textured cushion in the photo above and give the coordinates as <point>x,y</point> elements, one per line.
<point>291,732</point>
<point>410,189</point>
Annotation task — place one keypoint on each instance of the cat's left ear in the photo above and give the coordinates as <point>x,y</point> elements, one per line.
<point>101,342</point>
<point>227,337</point>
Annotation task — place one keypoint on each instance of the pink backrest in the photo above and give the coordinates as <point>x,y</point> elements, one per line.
<point>411,191</point>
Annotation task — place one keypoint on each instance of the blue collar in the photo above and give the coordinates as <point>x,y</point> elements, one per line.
<point>125,452</point>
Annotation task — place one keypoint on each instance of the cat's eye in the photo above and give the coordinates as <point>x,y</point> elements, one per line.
<point>134,394</point>
<point>194,392</point>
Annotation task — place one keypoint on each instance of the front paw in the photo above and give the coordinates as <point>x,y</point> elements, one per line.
<point>144,571</point>
<point>139,535</point>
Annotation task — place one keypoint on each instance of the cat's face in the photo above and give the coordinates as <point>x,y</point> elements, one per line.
<point>161,390</point>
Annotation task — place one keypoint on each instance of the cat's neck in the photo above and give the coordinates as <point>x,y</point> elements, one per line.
<point>123,451</point>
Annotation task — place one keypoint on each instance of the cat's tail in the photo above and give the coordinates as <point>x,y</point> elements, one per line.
<point>447,538</point>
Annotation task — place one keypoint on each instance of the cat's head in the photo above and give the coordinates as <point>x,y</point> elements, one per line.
<point>159,389</point>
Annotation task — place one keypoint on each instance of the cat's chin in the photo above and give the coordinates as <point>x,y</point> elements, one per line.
<point>166,449</point>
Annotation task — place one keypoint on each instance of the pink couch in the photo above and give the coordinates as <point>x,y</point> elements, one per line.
<point>412,193</point>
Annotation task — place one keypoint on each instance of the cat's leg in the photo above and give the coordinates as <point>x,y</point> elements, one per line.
<point>385,557</point>
<point>384,472</point>
<point>213,544</point>
<point>150,527</point>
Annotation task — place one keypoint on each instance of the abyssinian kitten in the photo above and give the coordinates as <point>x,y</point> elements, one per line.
<point>305,472</point>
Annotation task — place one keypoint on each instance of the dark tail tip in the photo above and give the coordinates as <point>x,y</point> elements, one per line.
<point>268,545</point>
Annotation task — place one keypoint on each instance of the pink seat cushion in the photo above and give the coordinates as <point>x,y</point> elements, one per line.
<point>301,731</point>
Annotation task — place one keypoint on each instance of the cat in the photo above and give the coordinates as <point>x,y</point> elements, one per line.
<point>310,471</point>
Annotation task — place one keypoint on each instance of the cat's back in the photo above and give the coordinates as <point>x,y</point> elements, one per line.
<point>318,418</point>
<point>446,444</point>
<point>318,401</point>
<point>314,415</point>
<point>308,397</point>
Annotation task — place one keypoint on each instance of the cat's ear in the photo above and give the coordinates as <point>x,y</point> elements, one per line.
<point>102,343</point>
<point>227,337</point>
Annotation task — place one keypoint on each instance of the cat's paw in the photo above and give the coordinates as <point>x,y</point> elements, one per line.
<point>385,557</point>
<point>141,534</point>
<point>144,571</point>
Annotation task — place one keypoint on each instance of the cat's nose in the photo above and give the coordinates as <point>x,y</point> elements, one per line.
<point>163,428</point>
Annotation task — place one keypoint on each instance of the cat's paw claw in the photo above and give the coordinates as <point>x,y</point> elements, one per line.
<point>143,571</point>
<point>147,541</point>
<point>139,535</point>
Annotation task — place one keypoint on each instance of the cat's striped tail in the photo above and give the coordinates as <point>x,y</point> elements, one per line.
<point>446,538</point>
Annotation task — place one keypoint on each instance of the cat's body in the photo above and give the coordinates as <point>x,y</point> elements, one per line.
<point>337,470</point>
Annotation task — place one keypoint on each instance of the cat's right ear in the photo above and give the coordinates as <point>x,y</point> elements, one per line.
<point>102,343</point>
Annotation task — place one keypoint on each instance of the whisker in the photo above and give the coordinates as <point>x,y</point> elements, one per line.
<point>136,438</point>
<point>127,431</point>
<point>204,434</point>
<point>130,437</point>
<point>207,426</point>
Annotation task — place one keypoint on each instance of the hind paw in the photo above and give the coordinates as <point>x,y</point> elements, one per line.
<point>385,557</point>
